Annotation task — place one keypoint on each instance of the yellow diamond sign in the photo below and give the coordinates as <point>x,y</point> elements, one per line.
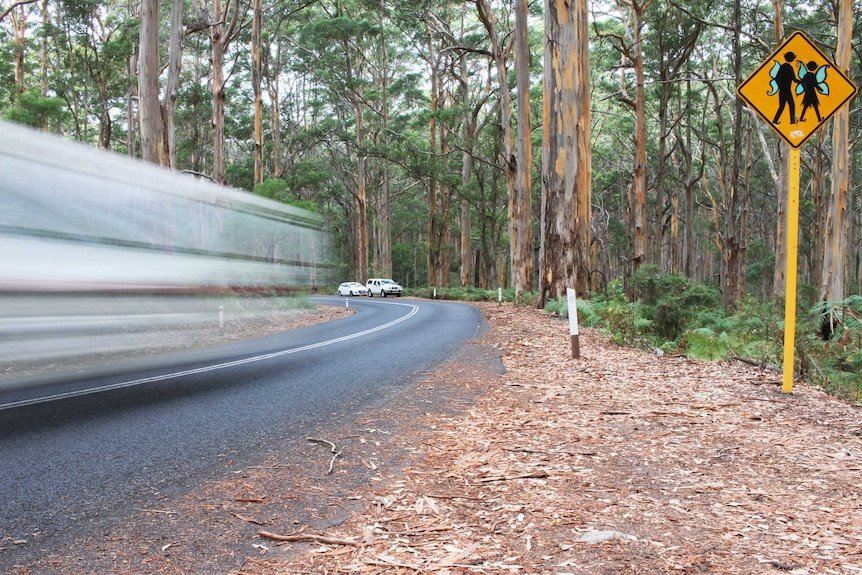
<point>797,89</point>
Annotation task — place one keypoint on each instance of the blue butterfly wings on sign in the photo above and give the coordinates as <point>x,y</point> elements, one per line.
<point>819,77</point>
<point>773,72</point>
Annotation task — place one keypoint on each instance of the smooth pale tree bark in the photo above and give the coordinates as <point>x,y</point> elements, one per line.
<point>256,79</point>
<point>832,276</point>
<point>149,106</point>
<point>566,157</point>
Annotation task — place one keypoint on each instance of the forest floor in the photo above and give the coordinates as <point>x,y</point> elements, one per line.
<point>514,458</point>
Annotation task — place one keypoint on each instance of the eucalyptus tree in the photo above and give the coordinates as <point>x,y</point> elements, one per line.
<point>436,20</point>
<point>631,47</point>
<point>90,43</point>
<point>224,23</point>
<point>151,121</point>
<point>670,41</point>
<point>566,157</point>
<point>832,285</point>
<point>344,80</point>
<point>20,98</point>
<point>517,163</point>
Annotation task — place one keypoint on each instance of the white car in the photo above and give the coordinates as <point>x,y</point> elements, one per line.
<point>352,288</point>
<point>383,287</point>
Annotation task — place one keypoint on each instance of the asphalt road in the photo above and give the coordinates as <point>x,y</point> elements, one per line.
<point>89,450</point>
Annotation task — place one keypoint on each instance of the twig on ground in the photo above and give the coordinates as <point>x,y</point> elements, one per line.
<point>332,449</point>
<point>532,475</point>
<point>247,519</point>
<point>308,537</point>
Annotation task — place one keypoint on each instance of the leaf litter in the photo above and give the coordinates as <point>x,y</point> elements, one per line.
<point>619,462</point>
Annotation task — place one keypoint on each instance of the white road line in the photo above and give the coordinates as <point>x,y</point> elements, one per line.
<point>123,384</point>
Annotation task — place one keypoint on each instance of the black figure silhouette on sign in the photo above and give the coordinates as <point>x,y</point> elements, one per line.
<point>811,81</point>
<point>783,78</point>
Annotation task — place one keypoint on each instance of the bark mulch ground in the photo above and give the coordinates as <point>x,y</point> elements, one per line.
<point>513,458</point>
<point>620,462</point>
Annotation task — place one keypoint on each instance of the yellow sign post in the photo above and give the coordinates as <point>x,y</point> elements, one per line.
<point>795,90</point>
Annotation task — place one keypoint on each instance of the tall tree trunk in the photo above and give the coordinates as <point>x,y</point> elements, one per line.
<point>19,26</point>
<point>520,265</point>
<point>468,127</point>
<point>733,193</point>
<point>46,22</point>
<point>441,229</point>
<point>434,219</point>
<point>256,80</point>
<point>522,201</point>
<point>566,158</point>
<point>743,219</point>
<point>361,197</point>
<point>217,48</point>
<point>659,223</point>
<point>152,125</point>
<point>444,238</point>
<point>832,277</point>
<point>175,56</point>
<point>132,90</point>
<point>385,215</point>
<point>274,91</point>
<point>632,11</point>
<point>271,77</point>
<point>821,200</point>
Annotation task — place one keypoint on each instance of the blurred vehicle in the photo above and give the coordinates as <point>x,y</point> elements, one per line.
<point>352,288</point>
<point>383,287</point>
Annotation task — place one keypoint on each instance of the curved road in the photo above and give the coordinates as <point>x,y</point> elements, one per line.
<point>71,456</point>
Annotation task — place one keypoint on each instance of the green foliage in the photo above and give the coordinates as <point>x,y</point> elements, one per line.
<point>241,174</point>
<point>835,354</point>
<point>473,294</point>
<point>559,306</point>
<point>37,111</point>
<point>705,343</point>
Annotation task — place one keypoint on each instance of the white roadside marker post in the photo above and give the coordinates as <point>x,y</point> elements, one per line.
<point>573,323</point>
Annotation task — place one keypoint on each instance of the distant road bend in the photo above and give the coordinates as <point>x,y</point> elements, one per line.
<point>84,453</point>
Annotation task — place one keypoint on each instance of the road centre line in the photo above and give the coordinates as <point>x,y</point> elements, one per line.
<point>414,309</point>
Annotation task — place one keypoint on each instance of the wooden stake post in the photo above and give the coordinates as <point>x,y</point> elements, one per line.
<point>573,323</point>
